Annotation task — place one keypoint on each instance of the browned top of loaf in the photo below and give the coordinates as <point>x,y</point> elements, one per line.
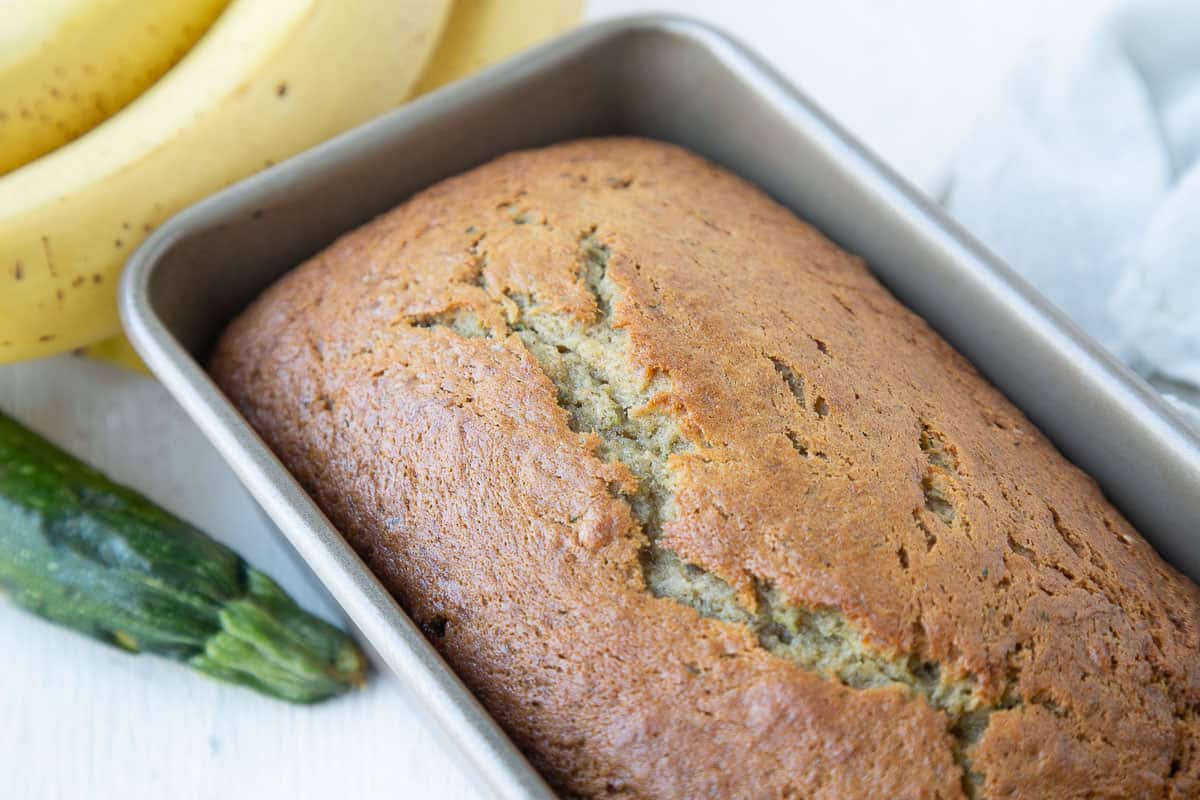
<point>826,453</point>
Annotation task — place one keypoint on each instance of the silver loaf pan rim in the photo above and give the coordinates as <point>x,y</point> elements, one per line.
<point>664,77</point>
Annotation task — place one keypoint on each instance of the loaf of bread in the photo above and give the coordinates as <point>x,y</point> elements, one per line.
<point>699,510</point>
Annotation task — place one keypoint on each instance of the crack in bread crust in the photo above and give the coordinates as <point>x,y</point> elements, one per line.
<point>589,365</point>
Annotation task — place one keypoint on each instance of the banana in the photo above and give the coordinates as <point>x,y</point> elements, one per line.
<point>66,65</point>
<point>482,32</point>
<point>269,79</point>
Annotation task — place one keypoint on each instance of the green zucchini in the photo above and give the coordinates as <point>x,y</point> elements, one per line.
<point>98,557</point>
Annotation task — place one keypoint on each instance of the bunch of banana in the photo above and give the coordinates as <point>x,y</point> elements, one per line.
<point>269,78</point>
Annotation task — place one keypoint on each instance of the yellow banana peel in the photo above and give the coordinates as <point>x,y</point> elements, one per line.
<point>67,65</point>
<point>271,78</point>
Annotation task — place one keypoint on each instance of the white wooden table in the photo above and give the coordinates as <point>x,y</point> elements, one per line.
<point>81,720</point>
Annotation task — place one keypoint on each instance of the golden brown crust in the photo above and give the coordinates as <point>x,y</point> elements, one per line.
<point>842,454</point>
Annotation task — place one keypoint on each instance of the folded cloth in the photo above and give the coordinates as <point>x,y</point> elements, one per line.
<point>1085,178</point>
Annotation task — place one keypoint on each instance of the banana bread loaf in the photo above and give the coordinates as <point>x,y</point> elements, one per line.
<point>699,510</point>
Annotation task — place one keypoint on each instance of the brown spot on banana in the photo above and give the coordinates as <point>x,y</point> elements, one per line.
<point>49,256</point>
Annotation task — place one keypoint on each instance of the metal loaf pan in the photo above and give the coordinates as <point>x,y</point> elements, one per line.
<point>671,79</point>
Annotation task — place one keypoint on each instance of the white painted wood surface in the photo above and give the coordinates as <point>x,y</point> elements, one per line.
<point>80,720</point>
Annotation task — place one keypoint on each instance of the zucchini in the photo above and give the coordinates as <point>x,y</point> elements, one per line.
<point>87,553</point>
